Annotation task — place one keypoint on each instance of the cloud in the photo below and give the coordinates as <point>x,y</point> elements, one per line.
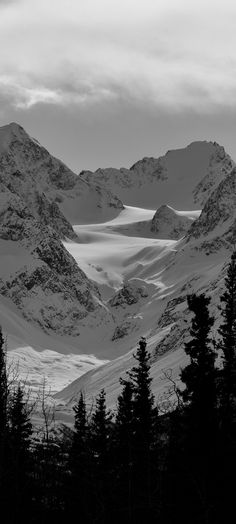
<point>169,54</point>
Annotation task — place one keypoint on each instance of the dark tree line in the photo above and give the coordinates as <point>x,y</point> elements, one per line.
<point>137,465</point>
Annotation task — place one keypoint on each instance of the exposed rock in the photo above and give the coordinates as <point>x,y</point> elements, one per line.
<point>129,294</point>
<point>50,189</point>
<point>121,331</point>
<point>167,223</point>
<point>45,283</point>
<point>184,177</point>
<point>218,217</point>
<point>220,165</point>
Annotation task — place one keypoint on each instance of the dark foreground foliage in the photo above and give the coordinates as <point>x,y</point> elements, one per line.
<point>139,465</point>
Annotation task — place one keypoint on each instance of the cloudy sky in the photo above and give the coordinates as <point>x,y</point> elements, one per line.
<point>106,82</point>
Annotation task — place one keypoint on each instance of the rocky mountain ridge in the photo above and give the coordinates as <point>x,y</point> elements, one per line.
<point>47,184</point>
<point>41,200</point>
<point>182,178</point>
<point>167,223</point>
<point>195,263</point>
<point>43,279</point>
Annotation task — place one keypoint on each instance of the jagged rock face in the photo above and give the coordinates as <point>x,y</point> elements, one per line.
<point>167,223</point>
<point>220,165</point>
<point>128,295</point>
<point>48,286</point>
<point>15,209</point>
<point>49,188</point>
<point>44,282</point>
<point>184,178</point>
<point>218,217</point>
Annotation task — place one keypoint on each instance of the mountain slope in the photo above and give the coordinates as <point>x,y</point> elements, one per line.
<point>36,271</point>
<point>30,171</point>
<point>168,223</point>
<point>182,178</point>
<point>109,283</point>
<point>196,263</point>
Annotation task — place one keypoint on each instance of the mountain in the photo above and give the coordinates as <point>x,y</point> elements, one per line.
<point>165,223</point>
<point>169,223</point>
<point>195,263</point>
<point>83,274</point>
<point>49,186</point>
<point>37,273</point>
<point>217,222</point>
<point>182,178</point>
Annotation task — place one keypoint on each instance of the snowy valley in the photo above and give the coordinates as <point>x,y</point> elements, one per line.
<point>89,263</point>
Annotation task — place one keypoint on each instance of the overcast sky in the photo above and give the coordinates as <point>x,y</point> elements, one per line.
<point>106,82</point>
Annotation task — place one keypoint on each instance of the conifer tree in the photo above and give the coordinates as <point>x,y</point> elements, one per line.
<point>196,462</point>
<point>144,423</point>
<point>228,343</point>
<point>20,430</point>
<point>20,425</point>
<point>3,389</point>
<point>199,376</point>
<point>227,450</point>
<point>79,463</point>
<point>124,418</point>
<point>3,419</point>
<point>80,429</point>
<point>123,450</point>
<point>101,448</point>
<point>101,428</point>
<point>144,411</point>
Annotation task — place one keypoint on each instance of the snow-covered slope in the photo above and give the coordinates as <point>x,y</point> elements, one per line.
<point>36,271</point>
<point>47,185</point>
<point>168,223</point>
<point>182,178</point>
<point>165,223</point>
<point>37,356</point>
<point>94,289</point>
<point>196,263</point>
<point>41,278</point>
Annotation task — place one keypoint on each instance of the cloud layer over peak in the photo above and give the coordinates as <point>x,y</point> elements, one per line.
<point>169,54</point>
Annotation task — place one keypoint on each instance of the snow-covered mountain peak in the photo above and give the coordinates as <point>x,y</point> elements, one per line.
<point>43,173</point>
<point>169,223</point>
<point>113,278</point>
<point>38,194</point>
<point>182,177</point>
<point>218,217</point>
<point>9,133</point>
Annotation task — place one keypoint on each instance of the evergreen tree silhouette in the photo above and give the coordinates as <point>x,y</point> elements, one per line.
<point>3,423</point>
<point>144,411</point>
<point>227,331</point>
<point>199,422</point>
<point>80,463</point>
<point>20,430</point>
<point>124,453</point>
<point>227,451</point>
<point>101,430</point>
<point>199,376</point>
<point>144,423</point>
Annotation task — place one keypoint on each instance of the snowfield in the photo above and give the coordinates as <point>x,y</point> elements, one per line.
<point>74,301</point>
<point>109,259</point>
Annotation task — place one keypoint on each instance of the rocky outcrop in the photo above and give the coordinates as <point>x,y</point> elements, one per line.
<point>44,282</point>
<point>128,295</point>
<point>218,218</point>
<point>220,165</point>
<point>196,264</point>
<point>168,223</point>
<point>47,285</point>
<point>50,189</point>
<point>184,177</point>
